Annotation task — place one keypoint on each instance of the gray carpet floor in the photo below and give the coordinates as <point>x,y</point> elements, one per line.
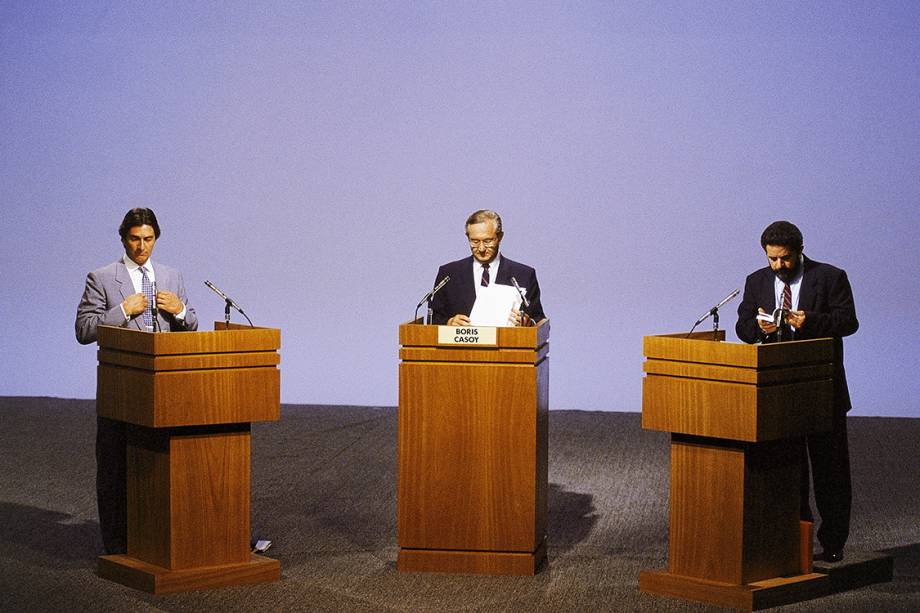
<point>324,492</point>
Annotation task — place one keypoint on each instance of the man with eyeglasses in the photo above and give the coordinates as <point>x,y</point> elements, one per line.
<point>453,303</point>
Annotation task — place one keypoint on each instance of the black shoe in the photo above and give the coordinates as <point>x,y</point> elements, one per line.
<point>832,555</point>
<point>116,549</point>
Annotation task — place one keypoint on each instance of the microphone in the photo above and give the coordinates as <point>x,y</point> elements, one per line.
<point>427,297</point>
<point>713,310</point>
<point>524,299</point>
<point>434,291</point>
<point>779,318</point>
<point>153,309</point>
<point>230,303</point>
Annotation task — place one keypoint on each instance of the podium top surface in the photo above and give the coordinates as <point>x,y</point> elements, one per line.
<point>238,338</point>
<point>701,348</point>
<point>532,337</point>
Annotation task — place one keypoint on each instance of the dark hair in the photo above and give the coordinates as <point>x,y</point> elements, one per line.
<point>483,215</point>
<point>782,234</point>
<point>139,217</point>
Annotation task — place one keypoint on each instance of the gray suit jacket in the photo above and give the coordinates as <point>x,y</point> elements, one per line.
<point>107,288</point>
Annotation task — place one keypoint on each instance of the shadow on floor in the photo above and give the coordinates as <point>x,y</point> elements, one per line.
<point>49,538</point>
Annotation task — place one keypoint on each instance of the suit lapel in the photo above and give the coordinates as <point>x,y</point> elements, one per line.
<point>767,297</point>
<point>160,282</point>
<point>126,288</point>
<point>807,291</point>
<point>467,291</point>
<point>504,271</point>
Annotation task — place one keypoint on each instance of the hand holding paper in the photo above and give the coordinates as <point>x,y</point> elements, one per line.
<point>494,306</point>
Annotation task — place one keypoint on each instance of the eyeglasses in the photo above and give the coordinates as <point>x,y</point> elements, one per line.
<point>489,242</point>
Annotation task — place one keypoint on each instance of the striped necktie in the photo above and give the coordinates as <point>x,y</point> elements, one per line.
<point>788,333</point>
<point>485,276</point>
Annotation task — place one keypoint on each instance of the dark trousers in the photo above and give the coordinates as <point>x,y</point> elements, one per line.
<point>829,457</point>
<point>111,484</point>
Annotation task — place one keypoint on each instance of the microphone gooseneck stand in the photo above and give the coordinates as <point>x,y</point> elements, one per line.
<point>228,303</point>
<point>154,311</point>
<point>525,303</point>
<point>428,298</point>
<point>781,325</point>
<point>714,313</point>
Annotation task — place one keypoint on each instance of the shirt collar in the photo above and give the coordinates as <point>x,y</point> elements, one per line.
<point>132,265</point>
<point>493,265</point>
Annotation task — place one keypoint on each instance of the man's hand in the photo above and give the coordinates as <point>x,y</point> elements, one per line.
<point>169,302</point>
<point>796,319</point>
<point>517,319</point>
<point>765,326</point>
<point>135,304</point>
<point>458,320</point>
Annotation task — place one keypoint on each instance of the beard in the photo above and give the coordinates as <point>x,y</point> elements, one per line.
<point>788,274</point>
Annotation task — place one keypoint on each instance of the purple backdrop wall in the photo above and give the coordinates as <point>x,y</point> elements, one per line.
<point>316,160</point>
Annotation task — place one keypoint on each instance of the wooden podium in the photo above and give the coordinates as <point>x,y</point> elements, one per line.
<point>473,479</point>
<point>736,414</point>
<point>188,399</point>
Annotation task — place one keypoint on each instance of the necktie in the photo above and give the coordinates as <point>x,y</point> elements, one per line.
<point>147,289</point>
<point>787,305</point>
<point>485,275</point>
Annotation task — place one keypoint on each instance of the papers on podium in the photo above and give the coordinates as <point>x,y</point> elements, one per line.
<point>494,304</point>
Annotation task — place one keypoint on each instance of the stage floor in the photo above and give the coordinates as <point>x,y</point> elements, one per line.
<point>324,490</point>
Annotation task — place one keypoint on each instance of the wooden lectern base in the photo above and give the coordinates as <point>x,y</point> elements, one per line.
<point>750,597</point>
<point>158,580</point>
<point>858,569</point>
<point>471,562</point>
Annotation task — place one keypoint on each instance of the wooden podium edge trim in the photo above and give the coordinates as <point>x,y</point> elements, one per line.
<point>519,563</point>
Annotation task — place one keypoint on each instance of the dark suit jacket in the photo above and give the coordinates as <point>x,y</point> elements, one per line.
<point>459,294</point>
<point>107,287</point>
<point>826,298</point>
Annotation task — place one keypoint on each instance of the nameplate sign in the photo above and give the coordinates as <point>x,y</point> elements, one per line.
<point>477,336</point>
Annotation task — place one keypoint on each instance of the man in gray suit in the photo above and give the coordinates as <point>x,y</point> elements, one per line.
<point>132,292</point>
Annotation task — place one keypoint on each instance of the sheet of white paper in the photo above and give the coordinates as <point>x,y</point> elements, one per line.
<point>493,305</point>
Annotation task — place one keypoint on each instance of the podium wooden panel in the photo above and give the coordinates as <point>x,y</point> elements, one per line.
<point>473,427</point>
<point>188,399</point>
<point>736,414</point>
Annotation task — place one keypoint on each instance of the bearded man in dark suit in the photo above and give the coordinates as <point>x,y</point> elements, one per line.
<point>454,302</point>
<point>819,303</point>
